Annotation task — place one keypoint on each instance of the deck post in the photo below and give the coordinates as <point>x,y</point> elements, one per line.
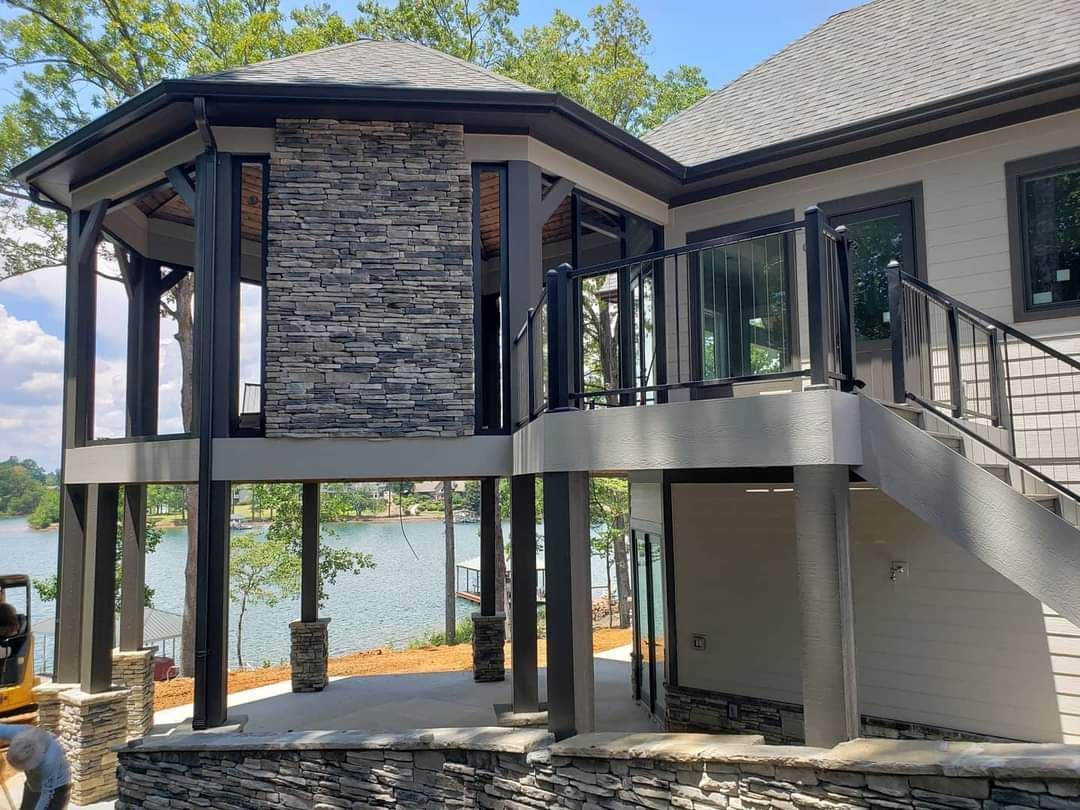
<point>896,332</point>
<point>217,281</point>
<point>133,554</point>
<point>817,299</point>
<point>99,588</point>
<point>309,555</point>
<point>78,416</point>
<point>567,573</point>
<point>823,560</point>
<point>526,695</point>
<point>489,625</point>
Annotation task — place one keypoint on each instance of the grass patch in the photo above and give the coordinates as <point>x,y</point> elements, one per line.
<point>437,638</point>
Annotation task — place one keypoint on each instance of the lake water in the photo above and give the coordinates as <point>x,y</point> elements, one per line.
<point>389,605</point>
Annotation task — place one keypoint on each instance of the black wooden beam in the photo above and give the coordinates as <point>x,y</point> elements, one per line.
<point>142,346</point>
<point>182,185</point>
<point>309,554</point>
<point>99,587</point>
<point>216,295</point>
<point>90,231</point>
<point>133,556</point>
<point>523,240</point>
<point>488,494</point>
<point>171,279</point>
<point>551,200</point>
<point>77,417</point>
<point>526,695</point>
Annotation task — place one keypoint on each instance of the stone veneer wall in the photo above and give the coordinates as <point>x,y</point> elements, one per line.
<point>134,671</point>
<point>779,722</point>
<point>489,647</point>
<point>92,727</point>
<point>518,769</point>
<point>309,651</point>
<point>369,308</point>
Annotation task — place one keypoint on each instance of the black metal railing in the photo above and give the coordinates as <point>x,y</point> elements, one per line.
<point>702,318</point>
<point>972,367</point>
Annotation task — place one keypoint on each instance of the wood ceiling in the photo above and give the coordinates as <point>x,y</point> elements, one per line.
<point>556,229</point>
<point>166,204</point>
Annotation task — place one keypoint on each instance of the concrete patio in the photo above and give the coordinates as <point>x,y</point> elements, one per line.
<point>400,702</point>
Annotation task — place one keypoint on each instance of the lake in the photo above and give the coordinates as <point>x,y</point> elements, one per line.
<point>389,605</point>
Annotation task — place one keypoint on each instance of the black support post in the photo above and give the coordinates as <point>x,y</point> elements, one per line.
<point>816,298</point>
<point>78,416</point>
<point>488,494</point>
<point>217,279</point>
<point>896,331</point>
<point>558,338</point>
<point>133,553</point>
<point>309,554</point>
<point>523,587</point>
<point>846,306</point>
<point>569,609</point>
<point>99,588</point>
<point>956,387</point>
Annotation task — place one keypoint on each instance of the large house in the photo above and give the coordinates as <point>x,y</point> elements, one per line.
<point>823,320</point>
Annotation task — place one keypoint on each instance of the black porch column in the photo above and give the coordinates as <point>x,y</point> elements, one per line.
<point>488,494</point>
<point>217,281</point>
<point>309,555</point>
<point>567,574</point>
<point>99,587</point>
<point>523,587</point>
<point>144,299</point>
<point>84,228</point>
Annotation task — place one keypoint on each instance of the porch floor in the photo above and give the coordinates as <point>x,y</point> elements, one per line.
<point>428,700</point>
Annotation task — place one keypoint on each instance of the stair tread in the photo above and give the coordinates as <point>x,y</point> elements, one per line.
<point>940,434</point>
<point>1041,496</point>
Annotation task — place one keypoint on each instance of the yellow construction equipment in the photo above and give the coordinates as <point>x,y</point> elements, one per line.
<point>17,678</point>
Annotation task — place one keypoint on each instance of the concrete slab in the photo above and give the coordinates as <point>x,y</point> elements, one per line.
<point>387,703</point>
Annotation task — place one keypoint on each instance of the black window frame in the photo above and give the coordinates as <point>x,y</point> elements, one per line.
<point>1016,172</point>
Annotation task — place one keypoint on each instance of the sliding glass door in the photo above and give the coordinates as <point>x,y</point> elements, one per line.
<point>649,627</point>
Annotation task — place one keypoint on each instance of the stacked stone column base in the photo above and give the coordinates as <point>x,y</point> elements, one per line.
<point>308,654</point>
<point>47,698</point>
<point>134,671</point>
<point>91,727</point>
<point>489,656</point>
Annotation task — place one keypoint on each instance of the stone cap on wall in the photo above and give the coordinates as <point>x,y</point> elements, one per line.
<point>485,738</point>
<point>974,759</point>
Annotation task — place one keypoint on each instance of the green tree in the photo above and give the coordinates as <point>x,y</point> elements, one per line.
<point>22,484</point>
<point>262,571</point>
<point>47,588</point>
<point>609,507</point>
<point>167,498</point>
<point>47,511</point>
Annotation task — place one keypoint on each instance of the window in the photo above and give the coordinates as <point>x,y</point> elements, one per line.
<point>1044,234</point>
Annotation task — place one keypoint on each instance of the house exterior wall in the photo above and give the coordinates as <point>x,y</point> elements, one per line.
<point>369,301</point>
<point>951,646</point>
<point>964,194</point>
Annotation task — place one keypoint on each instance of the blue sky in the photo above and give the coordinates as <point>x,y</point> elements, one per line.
<point>722,37</point>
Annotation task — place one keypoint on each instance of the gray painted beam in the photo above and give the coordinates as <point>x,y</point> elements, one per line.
<point>99,588</point>
<point>569,603</point>
<point>526,695</point>
<point>1018,538</point>
<point>309,554</point>
<point>823,559</point>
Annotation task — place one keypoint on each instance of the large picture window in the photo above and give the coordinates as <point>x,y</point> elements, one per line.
<point>1044,234</point>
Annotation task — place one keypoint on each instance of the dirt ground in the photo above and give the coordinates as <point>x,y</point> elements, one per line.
<point>179,691</point>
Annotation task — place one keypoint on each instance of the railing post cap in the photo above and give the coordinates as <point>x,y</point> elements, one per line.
<point>893,265</point>
<point>813,209</point>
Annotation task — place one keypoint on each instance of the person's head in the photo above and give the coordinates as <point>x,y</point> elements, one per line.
<point>28,749</point>
<point>9,620</point>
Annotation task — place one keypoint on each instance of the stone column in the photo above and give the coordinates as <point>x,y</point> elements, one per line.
<point>47,697</point>
<point>134,671</point>
<point>92,725</point>
<point>489,656</point>
<point>308,655</point>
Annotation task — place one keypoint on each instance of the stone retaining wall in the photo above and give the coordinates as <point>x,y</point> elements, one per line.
<point>689,709</point>
<point>369,286</point>
<point>517,769</point>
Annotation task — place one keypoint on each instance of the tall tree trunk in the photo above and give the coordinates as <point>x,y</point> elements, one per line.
<point>240,632</point>
<point>607,570</point>
<point>451,591</point>
<point>500,558</point>
<point>184,307</point>
<point>622,574</point>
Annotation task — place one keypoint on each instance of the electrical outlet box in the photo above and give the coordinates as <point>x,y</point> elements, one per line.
<point>698,641</point>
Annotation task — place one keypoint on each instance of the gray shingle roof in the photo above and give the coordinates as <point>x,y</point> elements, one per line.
<point>379,63</point>
<point>873,60</point>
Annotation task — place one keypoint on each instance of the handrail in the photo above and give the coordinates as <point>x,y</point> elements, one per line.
<point>948,300</point>
<point>656,255</point>
<point>611,392</point>
<point>959,425</point>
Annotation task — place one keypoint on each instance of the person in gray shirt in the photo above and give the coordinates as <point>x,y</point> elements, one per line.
<point>37,754</point>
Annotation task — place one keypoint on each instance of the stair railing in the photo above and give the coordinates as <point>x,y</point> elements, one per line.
<point>956,360</point>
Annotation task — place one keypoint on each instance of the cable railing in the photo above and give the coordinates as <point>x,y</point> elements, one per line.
<point>702,319</point>
<point>976,369</point>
